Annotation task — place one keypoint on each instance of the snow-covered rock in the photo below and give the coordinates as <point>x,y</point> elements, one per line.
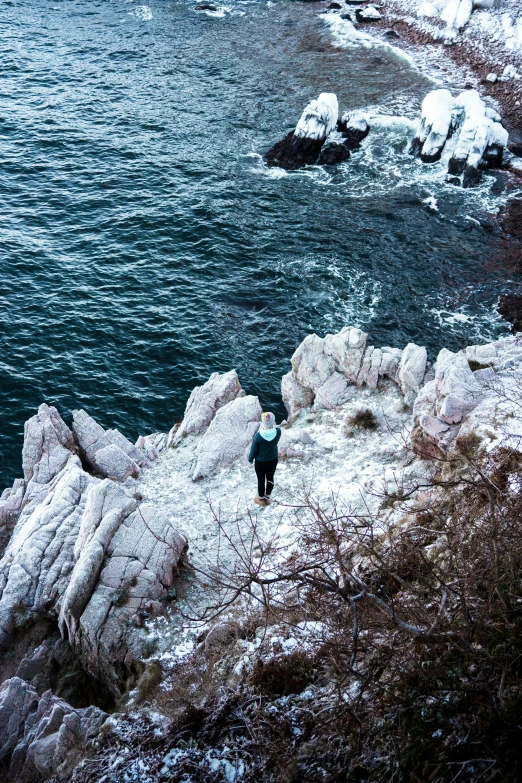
<point>412,369</point>
<point>367,14</point>
<point>456,15</point>
<point>324,368</point>
<point>302,146</point>
<point>461,400</point>
<point>477,134</point>
<point>205,401</point>
<point>228,437</point>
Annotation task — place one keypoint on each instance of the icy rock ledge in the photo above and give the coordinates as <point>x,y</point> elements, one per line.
<point>319,137</point>
<point>478,137</point>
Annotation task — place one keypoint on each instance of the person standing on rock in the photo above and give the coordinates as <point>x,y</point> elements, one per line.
<point>264,451</point>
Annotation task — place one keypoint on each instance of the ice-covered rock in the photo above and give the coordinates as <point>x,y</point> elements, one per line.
<point>107,452</point>
<point>436,125</point>
<point>205,401</point>
<point>45,734</point>
<point>228,437</point>
<point>367,14</point>
<point>302,146</point>
<point>479,138</point>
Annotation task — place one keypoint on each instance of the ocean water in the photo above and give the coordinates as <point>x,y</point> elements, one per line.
<point>144,244</point>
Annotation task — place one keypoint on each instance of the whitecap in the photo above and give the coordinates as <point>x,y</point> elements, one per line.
<point>142,12</point>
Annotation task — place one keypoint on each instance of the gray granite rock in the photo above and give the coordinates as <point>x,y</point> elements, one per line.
<point>228,437</point>
<point>205,401</point>
<point>17,701</point>
<point>48,444</point>
<point>106,452</point>
<point>55,736</point>
<point>295,396</point>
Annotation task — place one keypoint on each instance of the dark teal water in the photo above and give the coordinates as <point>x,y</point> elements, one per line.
<point>142,243</point>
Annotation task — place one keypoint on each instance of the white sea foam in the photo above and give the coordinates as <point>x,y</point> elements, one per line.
<point>142,12</point>
<point>347,36</point>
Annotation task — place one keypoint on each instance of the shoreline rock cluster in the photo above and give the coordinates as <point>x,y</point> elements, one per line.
<point>320,137</point>
<point>86,556</point>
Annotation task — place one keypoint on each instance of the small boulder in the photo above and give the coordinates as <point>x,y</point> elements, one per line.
<point>367,14</point>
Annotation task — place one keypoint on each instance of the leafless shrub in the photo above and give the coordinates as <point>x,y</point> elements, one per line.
<point>363,419</point>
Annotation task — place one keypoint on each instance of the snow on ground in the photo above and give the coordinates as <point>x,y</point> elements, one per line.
<point>342,462</point>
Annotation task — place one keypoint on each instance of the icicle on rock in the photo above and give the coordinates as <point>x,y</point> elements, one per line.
<point>302,146</point>
<point>352,128</point>
<point>480,137</point>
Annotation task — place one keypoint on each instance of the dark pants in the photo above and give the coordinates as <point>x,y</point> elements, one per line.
<point>265,470</point>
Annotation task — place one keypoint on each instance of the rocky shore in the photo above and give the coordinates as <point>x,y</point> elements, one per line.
<point>97,530</point>
<point>102,540</point>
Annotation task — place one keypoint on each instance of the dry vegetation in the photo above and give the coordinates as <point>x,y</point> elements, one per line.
<point>416,674</point>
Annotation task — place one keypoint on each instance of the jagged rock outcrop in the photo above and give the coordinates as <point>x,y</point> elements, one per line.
<point>17,701</point>
<point>479,141</point>
<point>82,548</point>
<point>107,452</point>
<point>42,735</point>
<point>302,146</point>
<point>474,391</point>
<point>228,437</point>
<point>323,369</point>
<point>205,401</point>
<point>127,556</point>
<point>10,506</point>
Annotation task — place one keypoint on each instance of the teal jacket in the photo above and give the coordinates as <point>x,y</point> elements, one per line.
<point>264,450</point>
